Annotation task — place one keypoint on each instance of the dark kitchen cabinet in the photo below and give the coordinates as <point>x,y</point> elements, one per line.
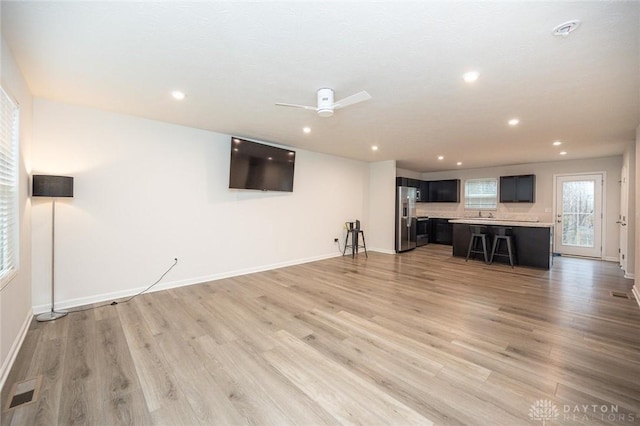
<point>414,183</point>
<point>444,191</point>
<point>424,191</point>
<point>433,191</point>
<point>441,231</point>
<point>518,189</point>
<point>411,183</point>
<point>402,181</point>
<point>531,244</point>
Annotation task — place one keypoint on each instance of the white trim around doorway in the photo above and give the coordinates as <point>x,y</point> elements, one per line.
<point>603,241</point>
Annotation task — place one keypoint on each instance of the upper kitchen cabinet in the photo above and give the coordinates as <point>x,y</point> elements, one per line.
<point>424,191</point>
<point>402,181</point>
<point>518,189</point>
<point>411,183</point>
<point>433,191</point>
<point>444,191</point>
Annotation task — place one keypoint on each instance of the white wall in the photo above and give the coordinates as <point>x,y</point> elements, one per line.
<point>382,189</point>
<point>147,191</point>
<point>15,299</point>
<point>543,207</point>
<point>408,174</point>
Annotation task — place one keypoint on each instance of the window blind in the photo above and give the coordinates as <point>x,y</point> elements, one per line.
<point>481,193</point>
<point>9,125</point>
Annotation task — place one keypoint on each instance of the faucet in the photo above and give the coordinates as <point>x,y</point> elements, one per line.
<point>479,213</point>
<point>490,215</point>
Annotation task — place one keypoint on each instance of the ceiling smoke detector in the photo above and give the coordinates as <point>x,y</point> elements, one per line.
<point>564,29</point>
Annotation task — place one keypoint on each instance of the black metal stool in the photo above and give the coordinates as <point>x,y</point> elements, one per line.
<point>503,234</point>
<point>353,229</point>
<point>478,234</point>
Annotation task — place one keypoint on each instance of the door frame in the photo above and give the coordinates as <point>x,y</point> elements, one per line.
<point>623,218</point>
<point>603,210</point>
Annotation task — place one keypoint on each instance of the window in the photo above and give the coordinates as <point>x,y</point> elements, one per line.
<point>9,122</point>
<point>481,194</point>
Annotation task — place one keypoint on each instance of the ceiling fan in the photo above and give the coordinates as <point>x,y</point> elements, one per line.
<point>326,105</point>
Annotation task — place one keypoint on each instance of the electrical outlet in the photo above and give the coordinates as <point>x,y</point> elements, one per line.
<point>335,240</point>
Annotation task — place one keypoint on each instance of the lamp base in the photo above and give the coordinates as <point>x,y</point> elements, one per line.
<point>50,316</point>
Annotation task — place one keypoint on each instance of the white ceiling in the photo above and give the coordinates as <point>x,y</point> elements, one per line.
<point>236,59</point>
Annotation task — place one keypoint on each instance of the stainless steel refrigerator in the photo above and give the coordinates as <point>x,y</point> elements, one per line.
<point>406,219</point>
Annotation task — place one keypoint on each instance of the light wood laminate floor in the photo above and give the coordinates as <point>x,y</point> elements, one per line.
<point>417,338</point>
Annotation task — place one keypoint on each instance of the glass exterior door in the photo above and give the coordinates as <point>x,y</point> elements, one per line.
<point>579,215</point>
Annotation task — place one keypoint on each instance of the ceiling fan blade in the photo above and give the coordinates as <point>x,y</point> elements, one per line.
<point>353,99</point>
<point>298,106</point>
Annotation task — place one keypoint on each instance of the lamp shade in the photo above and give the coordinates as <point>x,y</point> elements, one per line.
<point>52,186</point>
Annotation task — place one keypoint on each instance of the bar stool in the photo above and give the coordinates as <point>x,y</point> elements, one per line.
<point>478,235</point>
<point>503,234</point>
<point>353,229</point>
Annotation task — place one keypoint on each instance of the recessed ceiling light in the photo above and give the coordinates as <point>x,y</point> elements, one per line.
<point>557,143</point>
<point>178,95</point>
<point>440,157</point>
<point>563,153</point>
<point>374,148</point>
<point>459,163</point>
<point>306,129</point>
<point>269,158</point>
<point>514,122</point>
<point>471,76</point>
<point>565,28</point>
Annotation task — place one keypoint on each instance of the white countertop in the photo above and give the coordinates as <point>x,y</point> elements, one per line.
<point>502,222</point>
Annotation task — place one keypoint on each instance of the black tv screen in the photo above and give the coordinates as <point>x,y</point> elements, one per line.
<point>259,166</point>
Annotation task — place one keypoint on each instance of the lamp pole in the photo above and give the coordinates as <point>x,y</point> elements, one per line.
<point>50,316</point>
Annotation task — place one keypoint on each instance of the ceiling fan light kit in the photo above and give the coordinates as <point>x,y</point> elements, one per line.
<point>326,105</point>
<point>325,102</point>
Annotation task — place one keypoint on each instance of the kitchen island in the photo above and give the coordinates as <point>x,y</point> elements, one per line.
<point>532,240</point>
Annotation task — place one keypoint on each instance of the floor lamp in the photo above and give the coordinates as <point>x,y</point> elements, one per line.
<point>53,187</point>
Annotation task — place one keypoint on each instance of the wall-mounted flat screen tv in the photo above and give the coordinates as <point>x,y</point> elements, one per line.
<point>259,166</point>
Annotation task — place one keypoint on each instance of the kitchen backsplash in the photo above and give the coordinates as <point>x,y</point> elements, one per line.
<point>520,213</point>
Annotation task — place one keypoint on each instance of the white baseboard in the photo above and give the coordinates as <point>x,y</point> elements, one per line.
<point>81,301</point>
<point>636,293</point>
<point>629,276</point>
<point>610,259</point>
<point>15,348</point>
<point>384,251</point>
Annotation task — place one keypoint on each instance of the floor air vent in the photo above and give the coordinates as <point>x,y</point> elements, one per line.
<point>620,294</point>
<point>24,392</point>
